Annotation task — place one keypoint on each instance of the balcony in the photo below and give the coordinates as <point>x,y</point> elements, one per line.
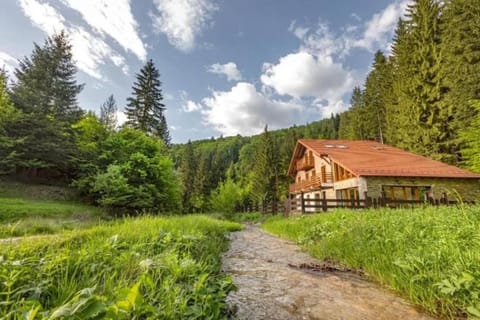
<point>306,163</point>
<point>315,182</point>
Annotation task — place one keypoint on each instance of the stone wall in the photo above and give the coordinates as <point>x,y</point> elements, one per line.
<point>467,189</point>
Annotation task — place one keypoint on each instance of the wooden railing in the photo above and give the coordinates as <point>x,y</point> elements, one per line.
<point>306,163</point>
<point>314,182</point>
<point>306,205</point>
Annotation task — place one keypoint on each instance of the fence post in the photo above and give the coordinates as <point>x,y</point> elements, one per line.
<point>368,200</point>
<point>288,205</point>
<point>352,203</point>
<point>302,199</point>
<point>324,201</point>
<point>384,199</point>
<point>375,204</point>
<point>443,199</point>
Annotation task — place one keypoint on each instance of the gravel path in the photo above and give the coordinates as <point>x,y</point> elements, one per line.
<point>270,288</point>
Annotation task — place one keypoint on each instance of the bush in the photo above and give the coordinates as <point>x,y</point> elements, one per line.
<point>132,171</point>
<point>227,196</point>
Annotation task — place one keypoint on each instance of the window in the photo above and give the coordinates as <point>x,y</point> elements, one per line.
<point>418,193</point>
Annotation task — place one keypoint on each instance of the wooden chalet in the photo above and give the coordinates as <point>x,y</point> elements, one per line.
<point>354,170</point>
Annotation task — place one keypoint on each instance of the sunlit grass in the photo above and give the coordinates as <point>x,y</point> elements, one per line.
<point>149,267</point>
<point>20,217</point>
<point>430,255</point>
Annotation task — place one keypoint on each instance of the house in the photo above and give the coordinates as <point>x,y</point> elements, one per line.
<point>342,169</point>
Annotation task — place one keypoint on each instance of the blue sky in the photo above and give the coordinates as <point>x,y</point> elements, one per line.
<point>227,66</point>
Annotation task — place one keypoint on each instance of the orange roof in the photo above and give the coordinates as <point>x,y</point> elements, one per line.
<point>370,158</point>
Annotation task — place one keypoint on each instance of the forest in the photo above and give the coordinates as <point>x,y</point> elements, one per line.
<point>424,97</point>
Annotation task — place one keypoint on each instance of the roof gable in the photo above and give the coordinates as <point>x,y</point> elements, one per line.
<point>370,158</point>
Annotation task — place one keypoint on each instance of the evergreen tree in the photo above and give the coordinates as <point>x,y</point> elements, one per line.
<point>399,120</point>
<point>8,115</point>
<point>357,121</point>
<point>145,110</point>
<point>108,113</point>
<point>378,87</point>
<point>460,70</point>
<point>46,81</point>
<point>265,172</point>
<point>188,170</point>
<point>470,135</point>
<point>345,128</point>
<point>418,81</point>
<point>46,91</point>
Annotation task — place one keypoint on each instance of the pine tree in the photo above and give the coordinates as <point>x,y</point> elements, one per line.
<point>418,80</point>
<point>469,135</point>
<point>378,87</point>
<point>8,116</point>
<point>46,81</point>
<point>399,121</point>
<point>460,69</point>
<point>357,121</point>
<point>188,168</point>
<point>145,110</point>
<point>108,113</point>
<point>265,172</point>
<point>46,92</point>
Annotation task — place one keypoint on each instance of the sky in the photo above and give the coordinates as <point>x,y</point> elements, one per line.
<point>227,66</point>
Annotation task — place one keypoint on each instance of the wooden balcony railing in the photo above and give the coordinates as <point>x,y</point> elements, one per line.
<point>314,182</point>
<point>306,163</point>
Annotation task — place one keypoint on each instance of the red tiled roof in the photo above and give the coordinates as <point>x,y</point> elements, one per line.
<point>370,158</point>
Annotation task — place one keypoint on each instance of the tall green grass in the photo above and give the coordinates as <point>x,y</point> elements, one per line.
<point>144,268</point>
<point>430,255</point>
<point>21,217</point>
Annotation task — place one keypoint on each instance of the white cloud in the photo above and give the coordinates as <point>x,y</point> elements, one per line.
<point>7,62</point>
<point>304,75</point>
<point>246,111</point>
<point>327,108</point>
<point>321,40</point>
<point>121,118</point>
<point>372,35</point>
<point>89,52</point>
<point>113,18</point>
<point>43,16</point>
<point>191,106</point>
<point>229,69</point>
<point>379,29</point>
<point>182,20</point>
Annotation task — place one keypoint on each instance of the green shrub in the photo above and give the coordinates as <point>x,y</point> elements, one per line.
<point>132,172</point>
<point>227,196</point>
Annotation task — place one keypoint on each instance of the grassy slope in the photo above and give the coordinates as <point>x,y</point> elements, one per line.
<point>150,267</point>
<point>38,209</point>
<point>431,255</point>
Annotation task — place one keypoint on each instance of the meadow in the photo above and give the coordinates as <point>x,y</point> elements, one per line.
<point>429,255</point>
<point>27,209</point>
<point>142,268</point>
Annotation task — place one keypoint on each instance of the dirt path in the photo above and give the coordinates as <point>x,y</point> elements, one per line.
<point>268,288</point>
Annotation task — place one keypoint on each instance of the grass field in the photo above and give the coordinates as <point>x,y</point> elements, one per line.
<point>38,209</point>
<point>431,255</point>
<point>143,268</point>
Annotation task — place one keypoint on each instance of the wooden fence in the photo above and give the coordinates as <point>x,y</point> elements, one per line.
<point>304,205</point>
<point>312,205</point>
